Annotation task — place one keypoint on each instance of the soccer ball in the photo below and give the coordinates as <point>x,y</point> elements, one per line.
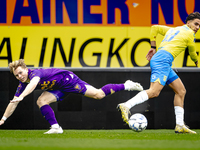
<point>138,122</point>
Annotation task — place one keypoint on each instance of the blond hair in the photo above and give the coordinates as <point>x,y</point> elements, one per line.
<point>13,65</point>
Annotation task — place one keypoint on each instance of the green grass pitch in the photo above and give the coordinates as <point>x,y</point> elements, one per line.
<point>98,140</point>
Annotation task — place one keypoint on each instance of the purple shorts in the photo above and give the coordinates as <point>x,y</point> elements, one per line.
<point>75,85</point>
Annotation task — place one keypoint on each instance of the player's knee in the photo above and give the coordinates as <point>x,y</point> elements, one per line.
<point>98,97</point>
<point>99,94</point>
<point>95,93</point>
<point>182,92</point>
<point>40,102</point>
<point>153,94</point>
<point>156,94</point>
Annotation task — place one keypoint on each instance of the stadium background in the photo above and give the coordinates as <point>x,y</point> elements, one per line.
<point>102,41</point>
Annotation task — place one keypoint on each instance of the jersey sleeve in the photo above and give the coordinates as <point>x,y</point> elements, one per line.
<point>22,86</point>
<point>35,73</point>
<point>191,48</point>
<point>155,29</point>
<point>20,89</point>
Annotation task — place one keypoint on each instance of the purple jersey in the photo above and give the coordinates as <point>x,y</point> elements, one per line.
<point>53,79</point>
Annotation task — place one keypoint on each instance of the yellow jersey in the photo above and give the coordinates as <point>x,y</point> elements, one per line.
<point>175,39</point>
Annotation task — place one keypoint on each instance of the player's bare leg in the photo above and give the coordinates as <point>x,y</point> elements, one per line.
<point>108,89</point>
<point>180,92</point>
<point>141,97</point>
<point>43,103</point>
<point>93,92</point>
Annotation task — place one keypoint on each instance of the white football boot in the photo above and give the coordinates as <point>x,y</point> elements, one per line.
<point>55,131</point>
<point>133,86</point>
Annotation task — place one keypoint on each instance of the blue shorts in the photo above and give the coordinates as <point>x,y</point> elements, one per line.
<point>76,85</point>
<point>161,70</point>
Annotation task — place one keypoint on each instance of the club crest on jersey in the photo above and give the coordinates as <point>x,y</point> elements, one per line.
<point>77,87</point>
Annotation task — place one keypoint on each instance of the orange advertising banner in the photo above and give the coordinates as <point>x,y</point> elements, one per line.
<point>95,12</point>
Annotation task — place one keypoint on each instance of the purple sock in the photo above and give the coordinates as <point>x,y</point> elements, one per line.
<point>48,113</point>
<point>112,88</point>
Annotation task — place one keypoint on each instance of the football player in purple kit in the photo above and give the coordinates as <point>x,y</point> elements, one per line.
<point>56,83</point>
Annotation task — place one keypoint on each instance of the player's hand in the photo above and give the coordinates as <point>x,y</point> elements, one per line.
<point>196,63</point>
<point>1,122</point>
<point>18,99</point>
<point>150,54</point>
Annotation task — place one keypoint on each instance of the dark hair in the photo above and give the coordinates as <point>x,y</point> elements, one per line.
<point>192,16</point>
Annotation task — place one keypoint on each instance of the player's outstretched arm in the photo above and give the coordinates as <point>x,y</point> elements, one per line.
<point>9,111</point>
<point>29,88</point>
<point>193,54</point>
<point>196,63</point>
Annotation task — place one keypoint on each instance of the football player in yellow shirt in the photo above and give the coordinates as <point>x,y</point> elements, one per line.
<point>175,41</point>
